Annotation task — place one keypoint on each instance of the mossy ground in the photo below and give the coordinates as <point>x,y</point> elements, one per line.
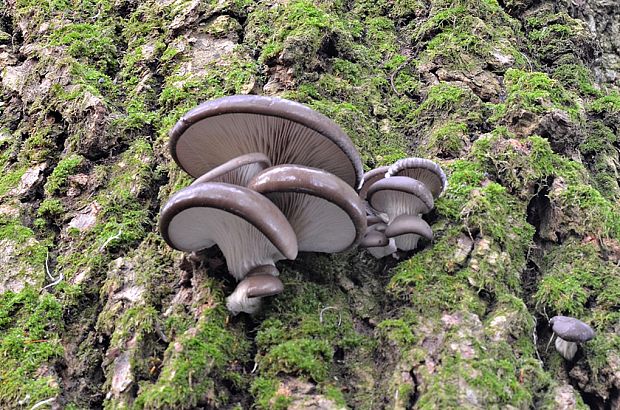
<point>462,82</point>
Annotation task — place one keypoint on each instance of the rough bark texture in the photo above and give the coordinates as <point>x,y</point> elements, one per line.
<point>514,98</point>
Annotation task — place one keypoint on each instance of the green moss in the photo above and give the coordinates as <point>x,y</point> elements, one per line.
<point>193,365</point>
<point>537,93</point>
<point>447,140</point>
<point>51,208</point>
<point>300,357</point>
<point>573,273</point>
<point>576,77</point>
<point>265,393</point>
<point>10,178</point>
<point>66,167</point>
<point>609,103</point>
<point>92,42</point>
<point>30,325</point>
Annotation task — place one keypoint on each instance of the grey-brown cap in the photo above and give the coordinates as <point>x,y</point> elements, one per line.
<point>287,132</point>
<point>326,214</point>
<point>424,170</point>
<point>407,230</point>
<point>400,196</point>
<point>237,171</point>
<point>370,178</point>
<point>373,238</point>
<point>249,292</point>
<point>571,329</point>
<point>249,229</point>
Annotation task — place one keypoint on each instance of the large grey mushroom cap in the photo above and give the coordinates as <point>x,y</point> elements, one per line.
<point>286,131</point>
<point>407,230</point>
<point>424,170</point>
<point>237,171</point>
<point>326,214</point>
<point>400,196</point>
<point>249,229</point>
<point>370,178</point>
<point>571,329</point>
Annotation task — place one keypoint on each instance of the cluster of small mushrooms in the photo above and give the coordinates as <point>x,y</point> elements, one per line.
<point>273,178</point>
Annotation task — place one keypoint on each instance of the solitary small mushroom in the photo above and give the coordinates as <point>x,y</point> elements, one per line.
<point>407,230</point>
<point>326,214</point>
<point>237,171</point>
<point>569,331</point>
<point>424,170</point>
<point>285,131</point>
<point>250,230</point>
<point>400,196</point>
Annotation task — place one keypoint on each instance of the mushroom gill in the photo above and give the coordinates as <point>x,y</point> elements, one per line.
<point>325,213</point>
<point>285,131</point>
<point>237,171</point>
<point>247,227</point>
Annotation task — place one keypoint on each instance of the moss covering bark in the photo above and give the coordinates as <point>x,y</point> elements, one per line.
<point>501,94</point>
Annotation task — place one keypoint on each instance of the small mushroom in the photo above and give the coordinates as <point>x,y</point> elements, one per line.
<point>285,131</point>
<point>326,214</point>
<point>569,331</point>
<point>424,170</point>
<point>248,294</point>
<point>373,238</point>
<point>370,178</point>
<point>237,171</point>
<point>375,241</point>
<point>407,230</point>
<point>400,196</point>
<point>381,251</point>
<point>250,230</point>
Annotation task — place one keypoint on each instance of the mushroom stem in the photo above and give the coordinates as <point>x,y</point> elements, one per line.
<point>262,281</point>
<point>565,348</point>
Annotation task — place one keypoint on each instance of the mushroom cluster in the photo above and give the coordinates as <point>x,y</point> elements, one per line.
<point>273,177</point>
<point>396,197</point>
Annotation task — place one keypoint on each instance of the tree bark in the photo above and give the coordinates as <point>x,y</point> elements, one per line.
<point>516,99</point>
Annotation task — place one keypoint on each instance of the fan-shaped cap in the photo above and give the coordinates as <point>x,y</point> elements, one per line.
<point>571,329</point>
<point>286,131</point>
<point>261,285</point>
<point>370,178</point>
<point>407,230</point>
<point>249,292</point>
<point>424,170</point>
<point>326,214</point>
<point>400,195</point>
<point>373,238</point>
<point>249,229</point>
<point>237,171</point>
<point>409,224</point>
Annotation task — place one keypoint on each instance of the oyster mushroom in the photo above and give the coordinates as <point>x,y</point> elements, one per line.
<point>400,196</point>
<point>569,331</point>
<point>326,214</point>
<point>237,171</point>
<point>249,292</point>
<point>424,170</point>
<point>376,242</point>
<point>370,178</point>
<point>407,230</point>
<point>250,230</point>
<point>285,131</point>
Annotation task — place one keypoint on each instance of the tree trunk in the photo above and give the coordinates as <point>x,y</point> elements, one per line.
<point>515,99</point>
